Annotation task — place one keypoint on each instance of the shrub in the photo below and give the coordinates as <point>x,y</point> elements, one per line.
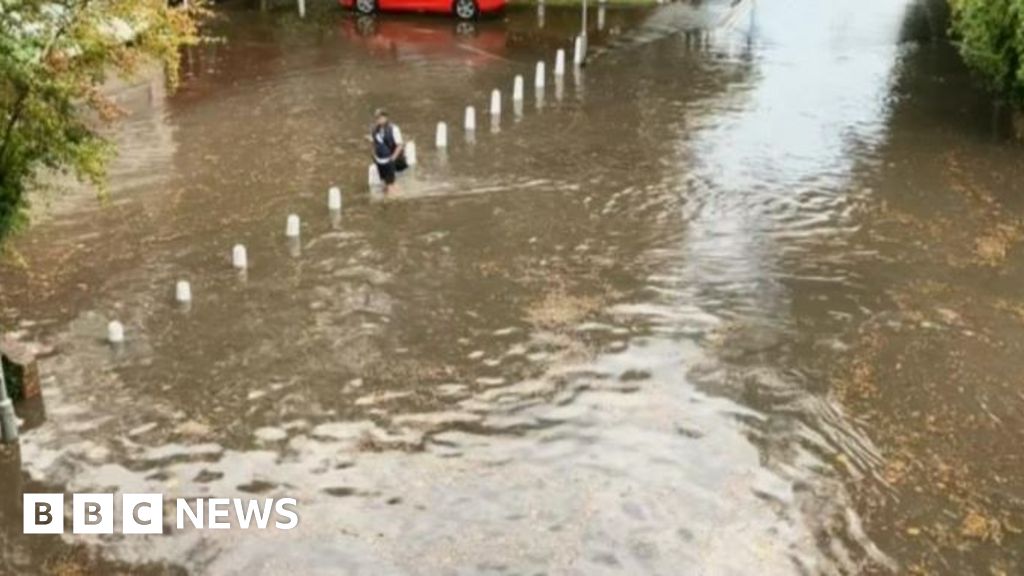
<point>990,34</point>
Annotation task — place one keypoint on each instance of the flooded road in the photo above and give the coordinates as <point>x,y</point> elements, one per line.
<point>741,295</point>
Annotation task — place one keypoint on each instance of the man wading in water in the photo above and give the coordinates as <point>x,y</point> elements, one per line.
<point>388,148</point>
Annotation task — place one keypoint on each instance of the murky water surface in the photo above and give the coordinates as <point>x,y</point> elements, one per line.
<point>740,296</point>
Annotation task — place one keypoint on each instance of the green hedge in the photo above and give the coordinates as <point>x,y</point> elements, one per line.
<point>990,34</point>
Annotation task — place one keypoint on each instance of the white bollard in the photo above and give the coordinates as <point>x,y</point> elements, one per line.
<point>517,89</point>
<point>539,80</point>
<point>291,230</point>
<point>600,17</point>
<point>115,332</point>
<point>578,51</point>
<point>441,141</point>
<point>410,153</point>
<point>239,257</point>
<point>183,292</point>
<point>495,102</point>
<point>470,119</point>
<point>373,176</point>
<point>334,198</point>
<point>560,62</point>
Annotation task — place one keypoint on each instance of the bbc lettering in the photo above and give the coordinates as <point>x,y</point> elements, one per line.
<point>144,513</point>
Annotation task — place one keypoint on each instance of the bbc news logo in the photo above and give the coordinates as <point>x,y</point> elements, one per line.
<point>144,513</point>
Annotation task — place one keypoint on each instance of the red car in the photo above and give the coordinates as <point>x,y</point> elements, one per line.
<point>464,9</point>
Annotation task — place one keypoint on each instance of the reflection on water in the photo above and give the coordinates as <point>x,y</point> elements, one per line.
<point>590,342</point>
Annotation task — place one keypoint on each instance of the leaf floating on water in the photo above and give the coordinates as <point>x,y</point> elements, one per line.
<point>192,428</point>
<point>980,527</point>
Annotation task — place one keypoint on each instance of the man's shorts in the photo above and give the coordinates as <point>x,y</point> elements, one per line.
<point>387,172</point>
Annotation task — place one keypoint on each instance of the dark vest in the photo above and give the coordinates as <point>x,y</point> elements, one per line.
<point>384,144</point>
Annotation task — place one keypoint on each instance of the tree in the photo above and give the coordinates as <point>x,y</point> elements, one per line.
<point>991,39</point>
<point>55,56</point>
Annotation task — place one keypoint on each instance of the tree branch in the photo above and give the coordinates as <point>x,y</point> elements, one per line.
<point>44,55</point>
<point>19,106</point>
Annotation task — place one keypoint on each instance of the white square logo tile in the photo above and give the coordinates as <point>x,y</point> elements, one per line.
<point>92,514</point>
<point>43,514</point>
<point>142,514</point>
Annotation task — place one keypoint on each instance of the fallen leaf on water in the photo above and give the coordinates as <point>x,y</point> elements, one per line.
<point>977,526</point>
<point>192,428</point>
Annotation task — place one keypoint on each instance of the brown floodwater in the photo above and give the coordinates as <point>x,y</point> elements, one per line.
<point>743,295</point>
